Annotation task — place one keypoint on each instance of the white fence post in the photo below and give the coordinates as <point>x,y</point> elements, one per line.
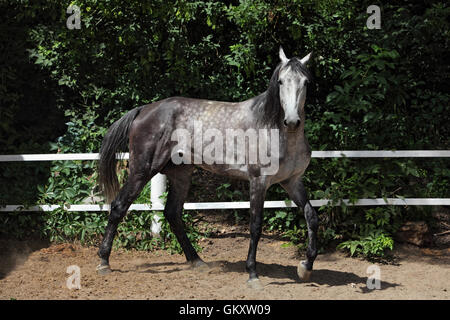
<point>157,189</point>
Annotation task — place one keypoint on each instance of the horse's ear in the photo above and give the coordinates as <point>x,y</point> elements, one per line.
<point>306,58</point>
<point>283,57</point>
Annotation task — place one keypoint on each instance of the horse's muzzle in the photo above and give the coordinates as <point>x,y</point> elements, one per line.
<point>292,125</point>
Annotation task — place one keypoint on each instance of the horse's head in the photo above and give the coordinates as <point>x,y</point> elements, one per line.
<point>293,78</point>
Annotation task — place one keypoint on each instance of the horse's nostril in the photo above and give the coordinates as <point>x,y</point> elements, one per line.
<point>292,125</point>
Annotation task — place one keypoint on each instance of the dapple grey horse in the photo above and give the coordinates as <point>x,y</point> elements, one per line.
<point>149,132</point>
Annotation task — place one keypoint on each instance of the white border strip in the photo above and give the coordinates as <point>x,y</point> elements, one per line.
<point>235,205</point>
<point>382,154</point>
<point>315,154</point>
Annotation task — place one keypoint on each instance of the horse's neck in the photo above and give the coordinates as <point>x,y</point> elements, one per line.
<point>256,105</point>
<point>301,129</point>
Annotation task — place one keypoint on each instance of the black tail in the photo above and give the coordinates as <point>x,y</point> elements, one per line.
<point>116,139</point>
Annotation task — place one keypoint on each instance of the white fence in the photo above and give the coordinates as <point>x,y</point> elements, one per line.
<point>159,184</point>
<point>315,154</point>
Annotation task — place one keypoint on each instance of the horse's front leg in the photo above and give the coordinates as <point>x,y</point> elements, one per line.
<point>257,194</point>
<point>297,193</point>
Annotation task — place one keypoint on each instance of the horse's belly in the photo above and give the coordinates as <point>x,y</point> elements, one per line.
<point>234,171</point>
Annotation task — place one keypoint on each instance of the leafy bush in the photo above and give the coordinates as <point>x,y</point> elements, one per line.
<point>374,244</point>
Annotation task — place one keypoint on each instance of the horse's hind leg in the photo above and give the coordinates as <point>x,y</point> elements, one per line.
<point>297,192</point>
<point>179,183</point>
<point>119,207</point>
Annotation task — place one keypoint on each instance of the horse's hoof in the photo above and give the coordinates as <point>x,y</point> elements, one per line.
<point>303,273</point>
<point>200,265</point>
<point>254,284</point>
<point>103,270</point>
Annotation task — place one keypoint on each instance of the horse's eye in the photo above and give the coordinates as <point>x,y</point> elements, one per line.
<point>280,82</point>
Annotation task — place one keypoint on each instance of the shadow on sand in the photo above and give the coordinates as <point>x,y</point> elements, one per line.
<point>281,274</point>
<point>14,253</point>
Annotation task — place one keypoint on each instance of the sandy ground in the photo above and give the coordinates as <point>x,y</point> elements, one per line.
<point>39,271</point>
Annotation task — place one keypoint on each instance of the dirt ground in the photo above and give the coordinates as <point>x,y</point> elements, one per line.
<point>33,270</point>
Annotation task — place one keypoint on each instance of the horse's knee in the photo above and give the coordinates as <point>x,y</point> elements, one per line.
<point>311,217</point>
<point>314,223</point>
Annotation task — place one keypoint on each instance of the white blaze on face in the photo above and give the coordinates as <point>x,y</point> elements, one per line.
<point>292,93</point>
<point>292,89</point>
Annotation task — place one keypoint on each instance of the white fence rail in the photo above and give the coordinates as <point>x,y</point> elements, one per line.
<point>235,205</point>
<point>158,183</point>
<point>315,154</point>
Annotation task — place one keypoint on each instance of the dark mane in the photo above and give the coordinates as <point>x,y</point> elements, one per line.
<point>268,103</point>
